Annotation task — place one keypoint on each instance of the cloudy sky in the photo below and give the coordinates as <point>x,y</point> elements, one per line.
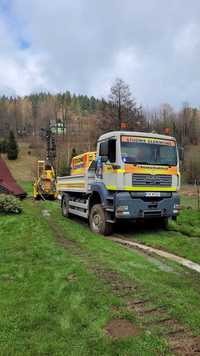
<point>83,45</point>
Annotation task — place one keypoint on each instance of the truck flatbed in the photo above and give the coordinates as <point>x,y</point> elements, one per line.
<point>78,183</point>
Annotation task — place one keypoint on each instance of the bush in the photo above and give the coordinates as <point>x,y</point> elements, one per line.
<point>12,147</point>
<point>9,204</point>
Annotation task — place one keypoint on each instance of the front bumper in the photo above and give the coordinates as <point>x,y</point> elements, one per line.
<point>136,205</point>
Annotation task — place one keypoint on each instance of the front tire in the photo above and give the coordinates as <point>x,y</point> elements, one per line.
<point>164,223</point>
<point>98,221</point>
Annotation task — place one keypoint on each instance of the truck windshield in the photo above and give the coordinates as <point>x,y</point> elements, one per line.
<point>137,150</point>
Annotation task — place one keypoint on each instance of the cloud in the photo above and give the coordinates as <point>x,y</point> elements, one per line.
<point>187,40</point>
<point>83,45</point>
<point>20,69</point>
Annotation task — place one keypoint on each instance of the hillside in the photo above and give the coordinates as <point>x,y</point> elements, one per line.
<point>23,168</point>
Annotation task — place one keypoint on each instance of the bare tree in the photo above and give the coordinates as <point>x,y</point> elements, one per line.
<point>123,103</point>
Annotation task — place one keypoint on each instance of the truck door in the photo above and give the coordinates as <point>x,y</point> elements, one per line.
<point>107,152</point>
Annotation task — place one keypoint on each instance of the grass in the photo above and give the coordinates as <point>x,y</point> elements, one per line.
<point>181,238</point>
<point>189,201</point>
<point>27,185</point>
<point>53,302</point>
<point>23,169</point>
<point>164,288</point>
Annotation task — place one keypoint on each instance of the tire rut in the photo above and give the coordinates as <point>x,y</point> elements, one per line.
<point>179,338</point>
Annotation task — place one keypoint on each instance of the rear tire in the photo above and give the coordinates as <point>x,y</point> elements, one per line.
<point>97,220</point>
<point>65,206</point>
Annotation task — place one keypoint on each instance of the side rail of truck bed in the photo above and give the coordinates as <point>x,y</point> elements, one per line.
<point>76,183</point>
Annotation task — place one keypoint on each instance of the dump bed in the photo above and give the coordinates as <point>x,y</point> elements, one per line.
<point>81,163</point>
<point>82,175</point>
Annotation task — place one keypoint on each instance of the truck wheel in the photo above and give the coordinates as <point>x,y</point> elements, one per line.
<point>65,206</point>
<point>164,223</point>
<point>97,220</point>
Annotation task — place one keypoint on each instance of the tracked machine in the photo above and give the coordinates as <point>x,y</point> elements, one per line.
<point>132,176</point>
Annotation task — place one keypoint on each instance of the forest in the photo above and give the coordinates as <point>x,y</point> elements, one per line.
<point>78,120</point>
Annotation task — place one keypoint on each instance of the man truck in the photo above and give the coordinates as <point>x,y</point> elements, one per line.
<point>131,176</point>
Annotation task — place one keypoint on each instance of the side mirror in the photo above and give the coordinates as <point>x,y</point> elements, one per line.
<point>181,153</point>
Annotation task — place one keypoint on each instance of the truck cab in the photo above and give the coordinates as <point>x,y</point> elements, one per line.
<point>135,176</point>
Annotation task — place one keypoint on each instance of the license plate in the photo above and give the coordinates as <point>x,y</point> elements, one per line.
<point>153,194</point>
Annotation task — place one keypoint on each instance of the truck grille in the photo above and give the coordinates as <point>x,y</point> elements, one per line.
<point>160,180</point>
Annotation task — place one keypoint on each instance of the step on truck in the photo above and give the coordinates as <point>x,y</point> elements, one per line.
<point>132,176</point>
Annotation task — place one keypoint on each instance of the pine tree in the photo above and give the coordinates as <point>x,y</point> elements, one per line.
<point>12,147</point>
<point>3,146</point>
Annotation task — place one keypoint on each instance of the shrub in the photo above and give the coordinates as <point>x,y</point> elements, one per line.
<point>12,147</point>
<point>9,204</point>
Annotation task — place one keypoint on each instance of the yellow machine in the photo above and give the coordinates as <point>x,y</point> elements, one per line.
<point>44,185</point>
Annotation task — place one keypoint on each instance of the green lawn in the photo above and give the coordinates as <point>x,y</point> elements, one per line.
<point>27,185</point>
<point>57,296</point>
<point>189,201</point>
<point>181,238</point>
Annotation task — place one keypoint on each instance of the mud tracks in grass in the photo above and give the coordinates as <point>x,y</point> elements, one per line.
<point>117,284</point>
<point>180,339</point>
<point>120,328</point>
<point>153,319</point>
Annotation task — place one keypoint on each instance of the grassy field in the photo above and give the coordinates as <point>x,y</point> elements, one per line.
<point>63,288</point>
<point>181,238</point>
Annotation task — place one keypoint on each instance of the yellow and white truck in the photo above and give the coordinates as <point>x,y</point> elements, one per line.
<point>132,176</point>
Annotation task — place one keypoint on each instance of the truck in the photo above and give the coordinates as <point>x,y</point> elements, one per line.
<point>132,176</point>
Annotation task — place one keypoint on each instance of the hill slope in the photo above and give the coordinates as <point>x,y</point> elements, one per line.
<point>23,168</point>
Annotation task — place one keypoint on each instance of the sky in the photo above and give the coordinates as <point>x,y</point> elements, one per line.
<point>83,45</point>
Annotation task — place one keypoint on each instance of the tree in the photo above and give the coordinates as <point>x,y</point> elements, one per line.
<point>123,103</point>
<point>12,147</point>
<point>3,146</point>
<point>191,164</point>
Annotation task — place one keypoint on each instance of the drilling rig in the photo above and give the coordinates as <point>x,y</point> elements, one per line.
<point>44,185</point>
